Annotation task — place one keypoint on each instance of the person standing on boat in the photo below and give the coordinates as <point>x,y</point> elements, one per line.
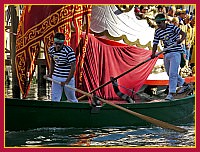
<point>63,65</point>
<point>170,34</point>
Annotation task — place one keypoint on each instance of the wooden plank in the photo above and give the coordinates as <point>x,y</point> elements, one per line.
<point>7,62</point>
<point>41,62</point>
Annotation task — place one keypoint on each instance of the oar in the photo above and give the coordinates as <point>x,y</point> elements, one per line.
<point>115,78</point>
<point>141,116</point>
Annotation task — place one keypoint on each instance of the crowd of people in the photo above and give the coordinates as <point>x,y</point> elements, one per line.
<point>178,16</point>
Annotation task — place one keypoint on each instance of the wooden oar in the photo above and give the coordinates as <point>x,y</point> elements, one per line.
<point>141,116</point>
<point>115,78</point>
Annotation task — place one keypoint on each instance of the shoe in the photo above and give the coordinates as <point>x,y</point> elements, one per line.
<point>183,89</point>
<point>169,97</point>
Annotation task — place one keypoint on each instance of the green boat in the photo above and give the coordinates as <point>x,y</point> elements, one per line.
<point>23,114</point>
<point>103,60</point>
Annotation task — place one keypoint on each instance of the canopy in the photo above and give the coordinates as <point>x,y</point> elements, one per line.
<point>124,26</point>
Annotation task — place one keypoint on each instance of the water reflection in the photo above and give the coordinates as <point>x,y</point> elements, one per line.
<point>35,92</point>
<point>101,137</point>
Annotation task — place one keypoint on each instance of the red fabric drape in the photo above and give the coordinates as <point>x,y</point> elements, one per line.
<point>96,62</point>
<point>105,59</point>
<point>38,24</point>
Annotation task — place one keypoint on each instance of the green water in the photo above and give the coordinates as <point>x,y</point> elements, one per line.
<point>101,137</point>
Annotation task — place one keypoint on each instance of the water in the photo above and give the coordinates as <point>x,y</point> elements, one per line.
<point>101,137</point>
<point>96,137</point>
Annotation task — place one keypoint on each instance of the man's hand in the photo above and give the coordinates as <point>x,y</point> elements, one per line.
<point>48,75</point>
<point>64,83</point>
<point>179,41</point>
<point>153,55</point>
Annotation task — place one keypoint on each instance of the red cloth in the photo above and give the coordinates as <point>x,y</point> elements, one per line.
<point>103,61</point>
<point>39,24</point>
<point>34,27</point>
<point>96,62</point>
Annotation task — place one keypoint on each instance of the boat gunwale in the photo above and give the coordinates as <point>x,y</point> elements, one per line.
<point>87,105</point>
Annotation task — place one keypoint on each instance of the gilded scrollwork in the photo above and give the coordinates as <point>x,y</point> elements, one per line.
<point>48,41</point>
<point>29,39</point>
<point>21,68</point>
<point>40,29</point>
<point>33,49</point>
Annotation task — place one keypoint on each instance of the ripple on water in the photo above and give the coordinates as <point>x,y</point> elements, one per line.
<point>98,137</point>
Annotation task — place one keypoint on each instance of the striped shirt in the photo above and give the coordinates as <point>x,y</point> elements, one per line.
<point>169,36</point>
<point>63,60</point>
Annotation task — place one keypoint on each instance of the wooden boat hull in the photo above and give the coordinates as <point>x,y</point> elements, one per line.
<point>29,114</point>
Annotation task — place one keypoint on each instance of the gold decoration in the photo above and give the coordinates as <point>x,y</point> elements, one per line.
<point>125,8</point>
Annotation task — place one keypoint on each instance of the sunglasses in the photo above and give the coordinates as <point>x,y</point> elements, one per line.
<point>158,23</point>
<point>58,43</point>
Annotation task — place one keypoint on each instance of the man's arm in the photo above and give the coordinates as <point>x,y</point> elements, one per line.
<point>52,64</point>
<point>155,46</point>
<point>183,36</point>
<point>71,73</point>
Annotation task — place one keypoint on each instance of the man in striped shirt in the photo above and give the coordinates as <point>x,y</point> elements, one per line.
<point>63,65</point>
<point>170,34</point>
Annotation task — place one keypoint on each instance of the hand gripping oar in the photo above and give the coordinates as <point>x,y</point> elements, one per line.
<point>115,78</point>
<point>141,116</point>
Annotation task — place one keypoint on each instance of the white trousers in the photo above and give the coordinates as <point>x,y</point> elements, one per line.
<point>172,62</point>
<point>57,90</point>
